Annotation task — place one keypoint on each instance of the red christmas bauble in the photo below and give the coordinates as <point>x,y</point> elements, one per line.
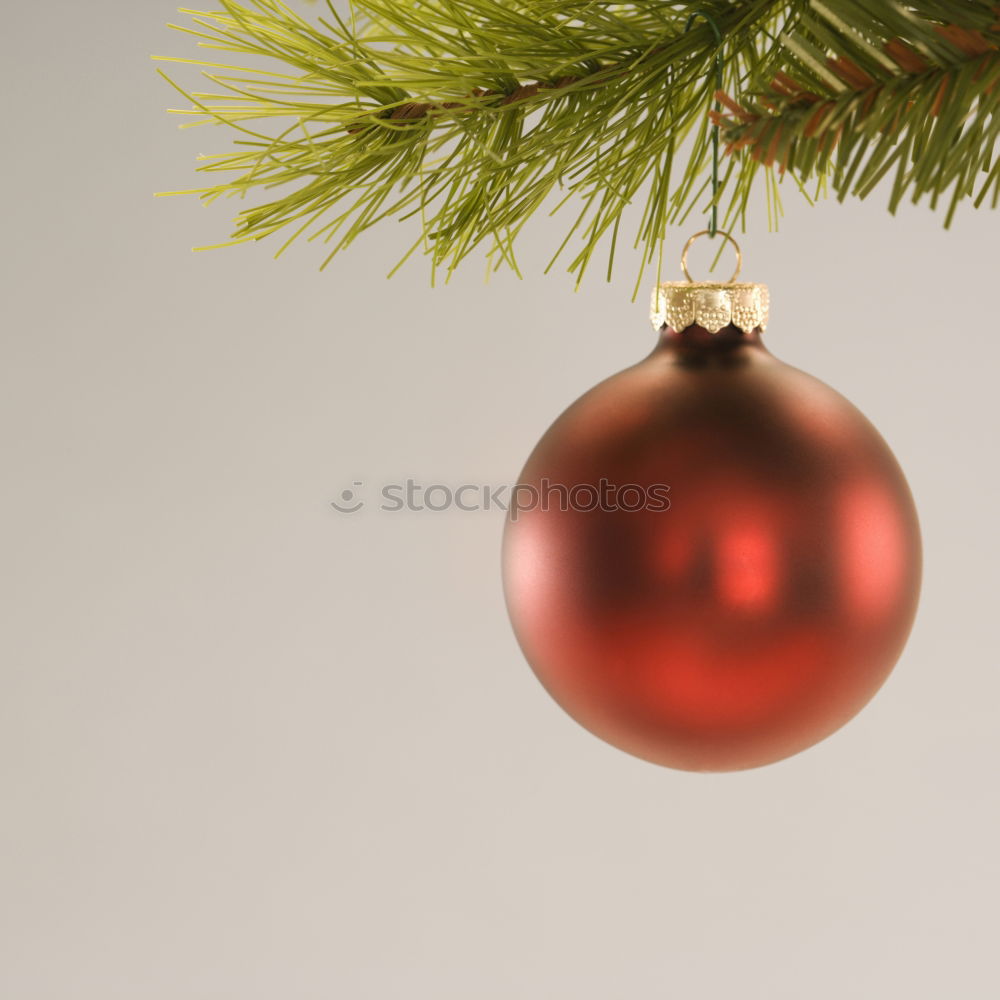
<point>712,560</point>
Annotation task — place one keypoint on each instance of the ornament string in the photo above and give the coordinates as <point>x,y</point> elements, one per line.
<point>713,218</point>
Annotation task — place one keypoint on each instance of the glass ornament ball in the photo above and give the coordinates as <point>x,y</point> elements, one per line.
<point>712,559</point>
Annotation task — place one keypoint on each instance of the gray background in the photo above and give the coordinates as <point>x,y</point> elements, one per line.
<point>251,748</point>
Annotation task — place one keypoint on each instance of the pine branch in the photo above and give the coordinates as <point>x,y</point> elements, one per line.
<point>474,115</point>
<point>858,106</point>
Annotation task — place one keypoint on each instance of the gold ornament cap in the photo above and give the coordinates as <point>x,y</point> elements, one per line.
<point>710,304</point>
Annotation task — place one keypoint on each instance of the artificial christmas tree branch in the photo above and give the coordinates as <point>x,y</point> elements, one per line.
<point>473,115</point>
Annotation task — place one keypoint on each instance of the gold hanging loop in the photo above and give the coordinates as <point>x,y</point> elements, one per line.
<point>718,232</point>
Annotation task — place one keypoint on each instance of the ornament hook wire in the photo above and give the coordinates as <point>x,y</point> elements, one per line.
<point>713,218</point>
<point>708,232</point>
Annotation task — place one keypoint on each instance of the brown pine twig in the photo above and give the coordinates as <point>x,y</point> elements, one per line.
<point>787,94</point>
